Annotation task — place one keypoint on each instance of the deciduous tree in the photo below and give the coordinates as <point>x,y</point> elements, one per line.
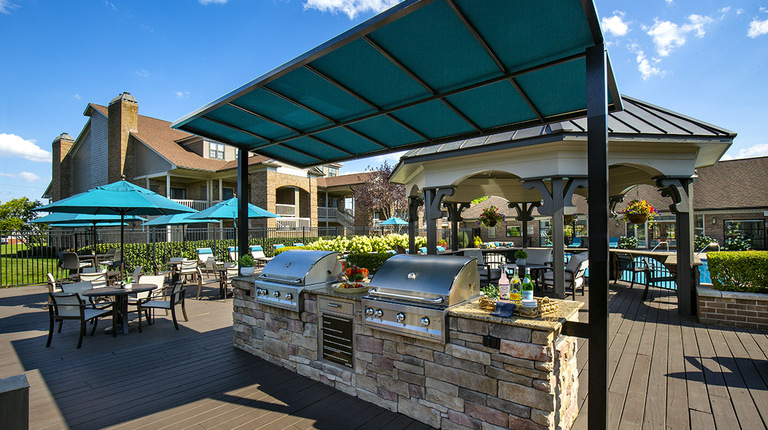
<point>16,214</point>
<point>378,194</point>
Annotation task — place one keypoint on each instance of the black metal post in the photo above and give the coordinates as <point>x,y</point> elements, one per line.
<point>413,222</point>
<point>681,192</point>
<point>243,191</point>
<point>597,162</point>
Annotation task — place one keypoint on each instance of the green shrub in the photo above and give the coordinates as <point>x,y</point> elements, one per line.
<point>246,260</point>
<point>288,248</point>
<point>737,244</point>
<point>744,271</point>
<point>371,261</point>
<point>627,242</point>
<point>463,240</point>
<point>702,242</point>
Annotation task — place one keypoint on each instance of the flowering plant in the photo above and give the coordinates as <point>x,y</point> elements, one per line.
<point>491,216</point>
<point>477,241</point>
<point>356,274</point>
<point>638,208</point>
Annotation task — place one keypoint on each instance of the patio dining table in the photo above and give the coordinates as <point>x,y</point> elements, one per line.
<point>121,299</point>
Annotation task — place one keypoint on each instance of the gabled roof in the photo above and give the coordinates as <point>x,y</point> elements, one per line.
<point>638,119</point>
<point>345,180</point>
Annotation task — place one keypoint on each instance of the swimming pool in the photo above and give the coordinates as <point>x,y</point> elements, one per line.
<point>704,277</point>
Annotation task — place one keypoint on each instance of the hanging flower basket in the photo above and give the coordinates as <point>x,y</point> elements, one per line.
<point>637,218</point>
<point>638,212</point>
<point>490,217</point>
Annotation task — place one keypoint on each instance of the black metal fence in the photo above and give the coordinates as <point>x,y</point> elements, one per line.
<point>27,257</point>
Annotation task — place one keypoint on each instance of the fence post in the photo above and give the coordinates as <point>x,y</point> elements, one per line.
<point>303,234</point>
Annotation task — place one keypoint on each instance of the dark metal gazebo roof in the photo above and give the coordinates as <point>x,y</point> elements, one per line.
<point>422,73</point>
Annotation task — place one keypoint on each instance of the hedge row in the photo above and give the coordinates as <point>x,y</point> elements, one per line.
<point>743,271</point>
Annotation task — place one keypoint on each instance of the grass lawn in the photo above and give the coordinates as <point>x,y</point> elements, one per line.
<point>26,271</point>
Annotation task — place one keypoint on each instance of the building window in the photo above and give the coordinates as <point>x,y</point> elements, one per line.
<point>750,230</point>
<point>216,151</point>
<point>227,193</point>
<point>154,188</point>
<point>178,193</point>
<point>698,223</point>
<point>332,171</point>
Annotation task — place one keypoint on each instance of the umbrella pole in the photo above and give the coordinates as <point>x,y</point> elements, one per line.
<point>122,243</point>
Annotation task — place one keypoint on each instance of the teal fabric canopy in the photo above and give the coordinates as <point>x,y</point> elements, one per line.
<point>178,219</point>
<point>79,220</point>
<point>421,73</point>
<point>394,221</point>
<point>228,210</point>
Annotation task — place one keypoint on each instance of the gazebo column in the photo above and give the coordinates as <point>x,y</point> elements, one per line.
<point>524,214</point>
<point>554,203</point>
<point>433,197</point>
<point>413,222</point>
<point>681,192</point>
<point>242,202</point>
<point>454,213</point>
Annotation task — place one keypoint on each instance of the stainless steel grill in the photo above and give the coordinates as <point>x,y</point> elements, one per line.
<point>411,294</point>
<point>288,274</point>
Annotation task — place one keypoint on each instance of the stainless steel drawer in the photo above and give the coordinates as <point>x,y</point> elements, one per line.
<point>335,306</point>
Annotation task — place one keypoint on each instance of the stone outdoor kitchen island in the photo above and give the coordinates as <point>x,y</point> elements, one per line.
<point>529,380</point>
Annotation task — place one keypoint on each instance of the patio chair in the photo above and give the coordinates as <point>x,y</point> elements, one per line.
<point>188,269</point>
<point>203,254</point>
<point>489,272</point>
<point>71,261</point>
<point>574,274</point>
<point>575,243</point>
<point>202,281</point>
<point>97,279</point>
<point>232,272</point>
<point>69,306</point>
<point>116,261</point>
<point>158,292</point>
<point>54,286</point>
<point>423,250</point>
<point>175,297</point>
<point>208,266</point>
<point>655,272</point>
<point>277,246</point>
<point>136,272</point>
<point>233,253</point>
<point>298,244</point>
<point>626,263</point>
<point>539,256</point>
<point>257,252</point>
<point>440,249</point>
<point>613,242</point>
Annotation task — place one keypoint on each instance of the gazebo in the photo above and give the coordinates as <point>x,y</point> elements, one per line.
<point>531,167</point>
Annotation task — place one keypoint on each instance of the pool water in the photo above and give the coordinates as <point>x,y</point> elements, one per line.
<point>704,277</point>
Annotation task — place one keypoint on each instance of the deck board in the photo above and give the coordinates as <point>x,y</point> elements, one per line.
<point>665,372</point>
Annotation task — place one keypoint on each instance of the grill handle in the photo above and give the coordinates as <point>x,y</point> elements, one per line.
<point>435,301</point>
<point>291,281</point>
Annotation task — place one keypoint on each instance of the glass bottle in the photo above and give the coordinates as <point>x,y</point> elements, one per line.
<point>515,288</point>
<point>503,284</point>
<point>527,285</point>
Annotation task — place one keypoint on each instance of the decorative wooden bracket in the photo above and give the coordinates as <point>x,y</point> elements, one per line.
<point>433,198</point>
<point>454,210</point>
<point>548,206</point>
<point>677,189</point>
<point>524,212</point>
<point>614,200</point>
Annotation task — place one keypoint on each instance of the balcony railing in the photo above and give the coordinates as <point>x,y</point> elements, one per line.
<point>327,214</point>
<point>292,222</point>
<point>285,210</point>
<point>197,205</point>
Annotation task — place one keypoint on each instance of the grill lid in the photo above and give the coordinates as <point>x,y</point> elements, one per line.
<point>302,267</point>
<point>426,279</point>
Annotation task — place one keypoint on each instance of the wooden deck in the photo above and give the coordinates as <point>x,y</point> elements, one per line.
<point>165,379</point>
<point>666,372</point>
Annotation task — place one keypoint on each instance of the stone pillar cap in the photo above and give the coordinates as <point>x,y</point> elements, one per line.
<point>126,96</point>
<point>64,136</point>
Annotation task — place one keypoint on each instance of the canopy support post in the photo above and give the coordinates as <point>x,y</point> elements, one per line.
<point>597,168</point>
<point>681,192</point>
<point>413,222</point>
<point>524,214</point>
<point>454,213</point>
<point>242,202</point>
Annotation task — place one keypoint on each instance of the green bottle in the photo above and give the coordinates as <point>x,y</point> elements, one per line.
<point>527,285</point>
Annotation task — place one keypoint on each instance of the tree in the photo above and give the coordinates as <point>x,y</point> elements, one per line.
<point>16,214</point>
<point>378,194</point>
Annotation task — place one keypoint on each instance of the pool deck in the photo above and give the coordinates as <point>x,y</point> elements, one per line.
<point>666,372</point>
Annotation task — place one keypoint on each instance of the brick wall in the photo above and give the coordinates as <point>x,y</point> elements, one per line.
<point>745,310</point>
<point>531,382</point>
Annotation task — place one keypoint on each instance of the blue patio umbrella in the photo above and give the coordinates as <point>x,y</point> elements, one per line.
<point>73,219</point>
<point>118,198</point>
<point>228,210</point>
<point>394,221</point>
<point>177,219</point>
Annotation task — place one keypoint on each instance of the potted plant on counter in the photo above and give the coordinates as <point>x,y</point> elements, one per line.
<point>246,265</point>
<point>520,256</point>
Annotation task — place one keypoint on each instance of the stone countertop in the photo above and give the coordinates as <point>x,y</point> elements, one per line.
<point>330,292</point>
<point>243,282</point>
<point>550,322</point>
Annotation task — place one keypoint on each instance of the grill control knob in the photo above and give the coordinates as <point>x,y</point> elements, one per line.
<point>264,292</point>
<point>400,317</point>
<point>379,313</point>
<point>369,312</point>
<point>288,296</point>
<point>259,291</point>
<point>276,294</point>
<point>424,321</point>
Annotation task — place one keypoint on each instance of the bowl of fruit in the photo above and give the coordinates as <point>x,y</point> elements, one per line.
<point>354,280</point>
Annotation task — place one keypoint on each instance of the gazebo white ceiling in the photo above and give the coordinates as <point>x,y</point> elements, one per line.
<point>421,73</point>
<point>645,141</point>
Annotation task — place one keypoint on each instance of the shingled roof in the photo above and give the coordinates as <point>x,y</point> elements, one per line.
<point>732,184</point>
<point>345,180</point>
<point>638,119</point>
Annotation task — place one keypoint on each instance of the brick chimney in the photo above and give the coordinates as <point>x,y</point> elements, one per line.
<point>123,117</point>
<point>61,175</point>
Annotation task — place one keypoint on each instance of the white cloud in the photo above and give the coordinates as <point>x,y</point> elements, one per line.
<point>15,146</point>
<point>6,6</point>
<point>390,158</point>
<point>670,2</point>
<point>77,96</point>
<point>668,36</point>
<point>739,11</point>
<point>757,28</point>
<point>759,150</point>
<point>350,7</point>
<point>182,94</point>
<point>141,73</point>
<point>207,2</point>
<point>24,176</point>
<point>724,10</point>
<point>615,25</point>
<point>648,67</point>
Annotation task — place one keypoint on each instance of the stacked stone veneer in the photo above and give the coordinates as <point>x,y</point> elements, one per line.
<point>531,382</point>
<point>733,309</point>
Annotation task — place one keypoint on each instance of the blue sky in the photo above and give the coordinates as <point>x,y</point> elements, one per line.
<point>705,59</point>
